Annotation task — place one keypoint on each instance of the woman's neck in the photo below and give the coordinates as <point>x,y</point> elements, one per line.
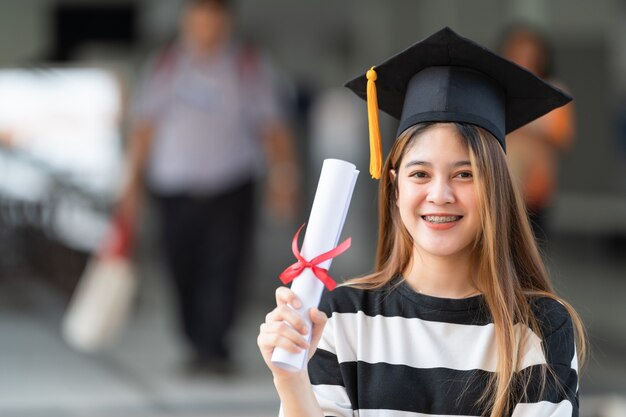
<point>445,277</point>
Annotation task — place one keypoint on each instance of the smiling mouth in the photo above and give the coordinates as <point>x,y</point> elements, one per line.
<point>441,219</point>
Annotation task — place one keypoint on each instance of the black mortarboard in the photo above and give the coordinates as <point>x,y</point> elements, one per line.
<point>448,78</point>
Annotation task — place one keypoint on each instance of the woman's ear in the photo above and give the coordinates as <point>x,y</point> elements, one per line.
<point>393,178</point>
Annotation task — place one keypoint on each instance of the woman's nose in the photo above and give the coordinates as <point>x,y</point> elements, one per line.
<point>440,192</point>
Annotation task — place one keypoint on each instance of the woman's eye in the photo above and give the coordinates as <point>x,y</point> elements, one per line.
<point>419,174</point>
<point>464,174</point>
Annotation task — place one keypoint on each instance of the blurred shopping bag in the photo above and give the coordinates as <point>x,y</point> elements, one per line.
<point>103,298</point>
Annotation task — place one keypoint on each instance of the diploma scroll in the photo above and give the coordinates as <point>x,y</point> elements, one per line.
<point>330,206</point>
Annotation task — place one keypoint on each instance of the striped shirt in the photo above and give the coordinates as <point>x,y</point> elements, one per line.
<point>397,353</point>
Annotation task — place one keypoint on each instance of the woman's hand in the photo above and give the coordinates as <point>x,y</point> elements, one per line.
<point>284,328</point>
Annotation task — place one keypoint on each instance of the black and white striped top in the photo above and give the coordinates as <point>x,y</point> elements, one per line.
<point>397,353</point>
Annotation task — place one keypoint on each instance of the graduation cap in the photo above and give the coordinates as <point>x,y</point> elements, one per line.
<point>449,78</point>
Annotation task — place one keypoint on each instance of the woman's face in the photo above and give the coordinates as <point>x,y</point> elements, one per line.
<point>436,193</point>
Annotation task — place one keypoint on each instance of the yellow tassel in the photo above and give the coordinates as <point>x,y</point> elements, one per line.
<point>376,158</point>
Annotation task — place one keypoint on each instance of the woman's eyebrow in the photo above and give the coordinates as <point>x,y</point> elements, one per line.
<point>461,163</point>
<point>411,163</point>
<point>428,164</point>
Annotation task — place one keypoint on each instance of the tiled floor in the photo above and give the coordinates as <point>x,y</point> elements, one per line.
<point>140,376</point>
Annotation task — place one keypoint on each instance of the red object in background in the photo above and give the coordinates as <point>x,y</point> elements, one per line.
<point>119,239</point>
<point>102,301</point>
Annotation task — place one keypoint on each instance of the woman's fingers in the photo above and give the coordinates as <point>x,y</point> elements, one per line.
<point>285,296</point>
<point>280,334</point>
<point>284,313</point>
<point>285,328</point>
<point>318,320</point>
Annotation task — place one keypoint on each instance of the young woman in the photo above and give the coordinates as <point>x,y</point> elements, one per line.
<point>460,317</point>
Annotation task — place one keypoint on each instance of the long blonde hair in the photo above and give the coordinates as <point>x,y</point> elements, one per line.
<point>506,257</point>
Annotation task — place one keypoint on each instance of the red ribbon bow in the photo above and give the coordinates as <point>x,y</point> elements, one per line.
<point>296,269</point>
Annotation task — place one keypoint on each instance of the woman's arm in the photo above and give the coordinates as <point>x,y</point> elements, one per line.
<point>294,388</point>
<point>558,396</point>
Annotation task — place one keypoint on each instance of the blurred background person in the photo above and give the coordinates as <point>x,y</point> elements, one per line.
<point>206,117</point>
<point>533,150</point>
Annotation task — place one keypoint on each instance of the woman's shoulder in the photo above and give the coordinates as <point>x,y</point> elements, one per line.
<point>551,315</point>
<point>350,299</point>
